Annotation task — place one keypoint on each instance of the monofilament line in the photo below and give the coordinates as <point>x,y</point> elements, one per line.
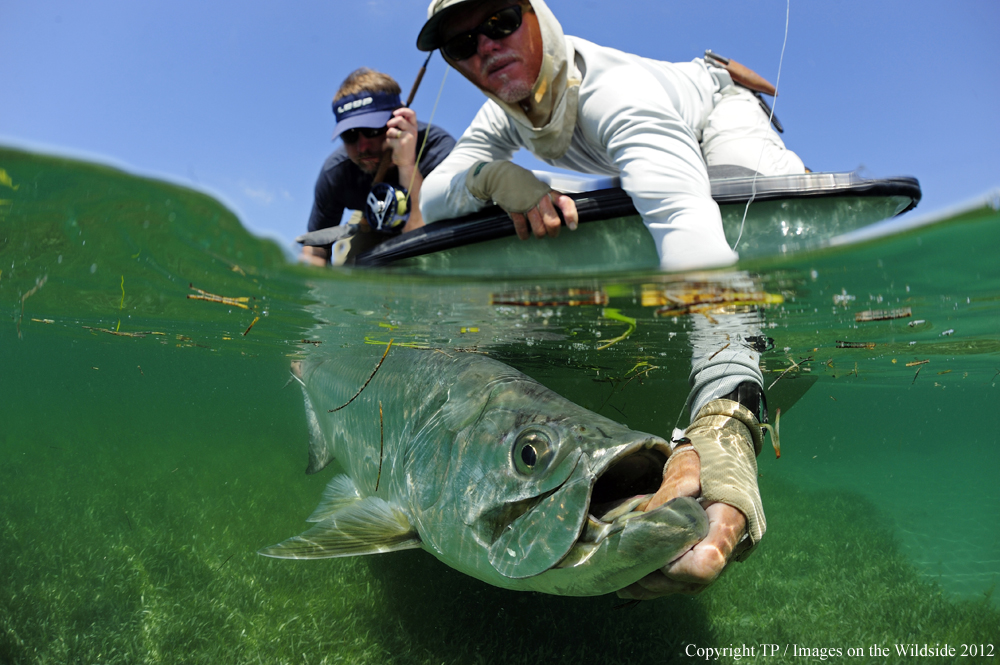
<point>427,133</point>
<point>774,103</point>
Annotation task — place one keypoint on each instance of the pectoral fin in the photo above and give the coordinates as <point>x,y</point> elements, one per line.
<point>368,526</point>
<point>340,493</point>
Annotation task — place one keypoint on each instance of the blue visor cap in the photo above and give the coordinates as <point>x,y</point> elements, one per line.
<point>365,109</point>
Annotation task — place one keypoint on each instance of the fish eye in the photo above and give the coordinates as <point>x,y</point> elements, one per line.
<point>532,451</point>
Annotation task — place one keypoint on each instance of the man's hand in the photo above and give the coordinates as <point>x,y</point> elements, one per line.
<point>317,256</point>
<point>528,201</point>
<point>401,138</point>
<point>543,219</point>
<point>716,462</point>
<point>697,568</point>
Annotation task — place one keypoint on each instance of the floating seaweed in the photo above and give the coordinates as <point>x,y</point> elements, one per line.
<point>562,298</point>
<point>703,298</point>
<point>223,300</point>
<point>855,345</point>
<point>616,315</point>
<point>882,314</point>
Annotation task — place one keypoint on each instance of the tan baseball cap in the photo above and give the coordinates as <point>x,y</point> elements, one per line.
<point>430,37</point>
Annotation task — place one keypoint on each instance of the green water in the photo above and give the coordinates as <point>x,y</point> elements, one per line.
<point>139,473</point>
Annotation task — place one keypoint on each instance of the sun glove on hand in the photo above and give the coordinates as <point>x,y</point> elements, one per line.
<point>727,437</point>
<point>513,188</point>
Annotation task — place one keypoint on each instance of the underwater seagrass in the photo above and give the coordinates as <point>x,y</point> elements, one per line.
<point>486,469</point>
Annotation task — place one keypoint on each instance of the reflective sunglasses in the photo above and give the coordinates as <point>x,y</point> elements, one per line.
<point>352,135</point>
<point>502,24</point>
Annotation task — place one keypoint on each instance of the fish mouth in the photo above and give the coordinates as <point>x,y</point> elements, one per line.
<point>619,494</point>
<point>629,480</point>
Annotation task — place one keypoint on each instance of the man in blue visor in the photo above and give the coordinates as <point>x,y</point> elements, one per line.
<point>371,120</point>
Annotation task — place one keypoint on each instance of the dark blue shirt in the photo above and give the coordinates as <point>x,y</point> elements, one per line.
<point>342,185</point>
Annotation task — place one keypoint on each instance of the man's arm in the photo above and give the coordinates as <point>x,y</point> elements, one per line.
<point>719,465</point>
<point>489,138</point>
<point>479,172</point>
<point>401,138</point>
<point>648,128</point>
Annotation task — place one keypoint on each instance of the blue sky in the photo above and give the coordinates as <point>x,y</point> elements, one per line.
<point>234,98</point>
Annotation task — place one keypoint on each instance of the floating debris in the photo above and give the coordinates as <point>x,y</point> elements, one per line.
<point>223,300</point>
<point>381,441</point>
<point>538,298</point>
<point>855,345</point>
<point>6,181</point>
<point>119,333</point>
<point>711,357</point>
<point>794,365</point>
<point>616,315</point>
<point>882,314</point>
<point>917,362</point>
<point>843,298</point>
<point>39,283</point>
<point>255,320</point>
<point>644,372</point>
<point>121,306</point>
<point>387,347</point>
<point>703,298</point>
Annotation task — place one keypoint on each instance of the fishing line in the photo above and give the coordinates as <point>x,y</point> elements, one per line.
<point>426,133</point>
<point>774,103</point>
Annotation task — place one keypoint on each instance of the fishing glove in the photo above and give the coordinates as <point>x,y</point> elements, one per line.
<point>513,188</point>
<point>727,438</point>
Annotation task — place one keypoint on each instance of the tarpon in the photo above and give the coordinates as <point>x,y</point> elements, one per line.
<point>486,469</point>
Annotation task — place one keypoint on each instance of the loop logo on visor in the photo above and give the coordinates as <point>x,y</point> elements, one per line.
<point>365,102</point>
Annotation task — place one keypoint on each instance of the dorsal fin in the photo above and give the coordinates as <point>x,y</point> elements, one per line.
<point>367,526</point>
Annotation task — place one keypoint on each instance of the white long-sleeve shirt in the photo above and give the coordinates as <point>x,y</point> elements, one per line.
<point>638,119</point>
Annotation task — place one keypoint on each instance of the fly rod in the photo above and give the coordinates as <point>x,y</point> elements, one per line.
<point>386,162</point>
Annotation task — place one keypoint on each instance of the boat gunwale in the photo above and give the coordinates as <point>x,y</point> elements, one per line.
<point>493,223</point>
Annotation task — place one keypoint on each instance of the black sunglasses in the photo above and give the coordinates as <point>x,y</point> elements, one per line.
<point>502,24</point>
<point>352,135</point>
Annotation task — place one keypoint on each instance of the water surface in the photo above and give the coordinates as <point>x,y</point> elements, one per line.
<point>150,444</point>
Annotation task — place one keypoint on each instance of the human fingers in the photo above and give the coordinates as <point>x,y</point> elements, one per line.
<point>568,208</point>
<point>401,138</point>
<point>547,216</point>
<point>696,569</point>
<point>682,477</point>
<point>703,563</point>
<point>535,220</point>
<point>406,114</point>
<point>399,128</point>
<point>520,225</point>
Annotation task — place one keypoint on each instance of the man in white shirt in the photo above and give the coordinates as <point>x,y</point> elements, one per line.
<point>583,107</point>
